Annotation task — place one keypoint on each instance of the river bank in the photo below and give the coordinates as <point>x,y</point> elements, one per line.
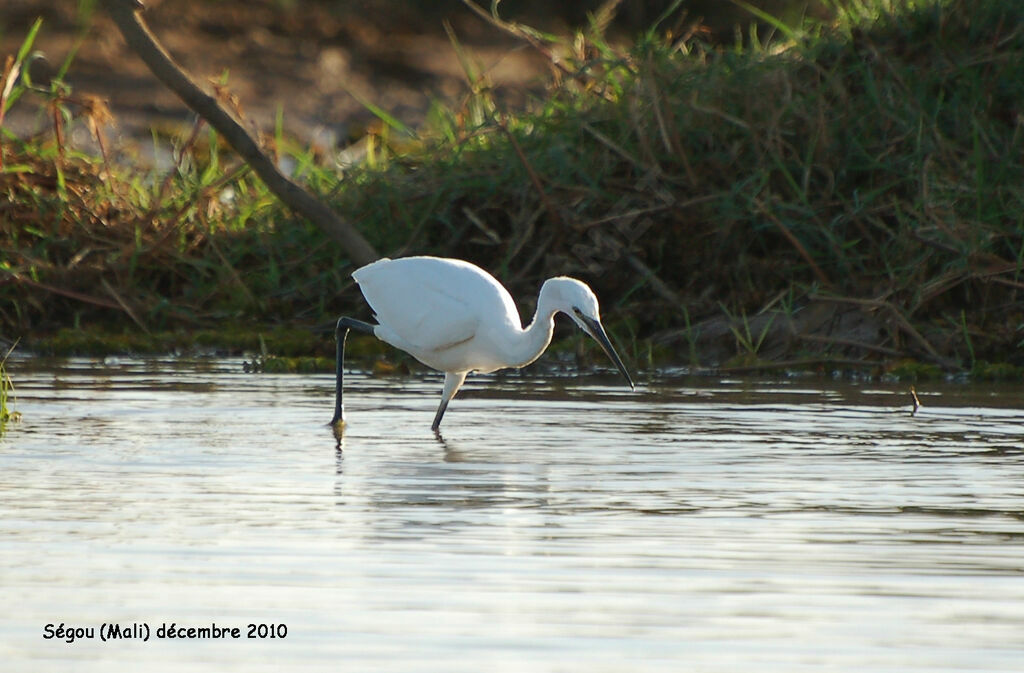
<point>854,199</point>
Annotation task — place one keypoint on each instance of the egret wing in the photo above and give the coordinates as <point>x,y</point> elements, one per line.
<point>419,303</point>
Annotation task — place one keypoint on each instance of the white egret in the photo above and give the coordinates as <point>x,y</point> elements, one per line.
<point>456,318</point>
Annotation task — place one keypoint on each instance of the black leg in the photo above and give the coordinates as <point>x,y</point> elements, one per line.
<point>340,335</point>
<point>452,382</point>
<point>438,416</point>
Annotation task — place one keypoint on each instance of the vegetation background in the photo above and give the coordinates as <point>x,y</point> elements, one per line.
<point>780,185</point>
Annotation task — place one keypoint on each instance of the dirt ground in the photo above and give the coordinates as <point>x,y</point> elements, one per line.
<point>312,62</point>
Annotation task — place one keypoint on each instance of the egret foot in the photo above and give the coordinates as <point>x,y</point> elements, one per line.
<point>338,432</point>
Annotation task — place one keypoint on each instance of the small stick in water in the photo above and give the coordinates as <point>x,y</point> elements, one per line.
<point>917,402</point>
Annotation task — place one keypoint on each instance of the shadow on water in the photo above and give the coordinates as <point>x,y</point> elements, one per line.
<point>720,524</point>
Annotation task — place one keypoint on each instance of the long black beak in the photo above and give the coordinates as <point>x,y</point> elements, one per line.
<point>594,328</point>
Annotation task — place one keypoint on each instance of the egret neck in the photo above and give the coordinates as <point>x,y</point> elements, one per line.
<point>528,344</point>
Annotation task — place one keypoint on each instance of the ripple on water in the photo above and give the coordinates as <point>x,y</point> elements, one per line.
<point>559,524</point>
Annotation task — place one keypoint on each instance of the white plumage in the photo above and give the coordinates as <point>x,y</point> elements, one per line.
<point>455,317</point>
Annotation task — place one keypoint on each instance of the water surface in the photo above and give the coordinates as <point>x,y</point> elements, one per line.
<point>560,524</point>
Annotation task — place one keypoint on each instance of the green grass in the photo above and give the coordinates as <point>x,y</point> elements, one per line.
<point>7,411</point>
<point>879,159</point>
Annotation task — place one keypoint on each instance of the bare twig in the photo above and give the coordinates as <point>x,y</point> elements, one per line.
<point>88,299</point>
<point>801,363</point>
<point>490,233</point>
<point>897,315</point>
<point>835,341</point>
<point>525,34</point>
<point>534,178</point>
<point>615,147</point>
<point>795,242</point>
<point>657,284</point>
<point>123,304</point>
<point>679,205</point>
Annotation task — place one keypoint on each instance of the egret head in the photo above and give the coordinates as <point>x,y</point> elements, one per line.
<point>578,301</point>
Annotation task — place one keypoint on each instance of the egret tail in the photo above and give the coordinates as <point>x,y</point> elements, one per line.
<point>340,335</point>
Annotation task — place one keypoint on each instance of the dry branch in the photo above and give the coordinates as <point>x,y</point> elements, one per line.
<point>126,15</point>
<point>901,322</point>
